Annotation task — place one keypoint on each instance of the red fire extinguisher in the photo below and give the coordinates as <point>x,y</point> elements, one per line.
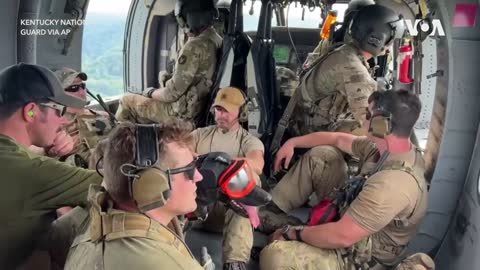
<point>404,61</point>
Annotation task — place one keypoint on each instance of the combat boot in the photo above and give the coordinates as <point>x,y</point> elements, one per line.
<point>235,266</point>
<point>417,261</point>
<point>272,218</point>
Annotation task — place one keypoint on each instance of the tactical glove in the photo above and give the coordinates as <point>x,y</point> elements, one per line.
<point>163,77</point>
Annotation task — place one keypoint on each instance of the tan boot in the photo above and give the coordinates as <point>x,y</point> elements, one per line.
<point>417,261</point>
<point>271,220</point>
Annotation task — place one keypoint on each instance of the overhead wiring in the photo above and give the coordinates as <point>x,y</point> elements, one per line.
<point>290,35</point>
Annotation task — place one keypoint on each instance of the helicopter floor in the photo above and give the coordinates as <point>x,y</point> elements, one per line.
<point>197,238</point>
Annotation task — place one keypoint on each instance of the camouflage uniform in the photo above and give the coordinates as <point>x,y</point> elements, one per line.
<point>186,93</point>
<point>287,80</point>
<point>390,206</point>
<point>88,127</point>
<point>237,230</point>
<point>116,239</point>
<point>339,85</point>
<point>325,46</point>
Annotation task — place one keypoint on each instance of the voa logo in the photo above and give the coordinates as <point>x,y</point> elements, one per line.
<point>437,28</point>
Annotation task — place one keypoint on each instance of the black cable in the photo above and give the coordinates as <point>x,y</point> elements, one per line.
<point>100,101</point>
<point>97,166</point>
<point>290,36</point>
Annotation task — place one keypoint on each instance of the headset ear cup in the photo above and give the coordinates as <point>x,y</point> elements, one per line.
<point>151,189</point>
<point>243,117</point>
<point>380,126</point>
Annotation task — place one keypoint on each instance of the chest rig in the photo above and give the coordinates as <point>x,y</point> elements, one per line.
<point>108,224</point>
<point>359,256</point>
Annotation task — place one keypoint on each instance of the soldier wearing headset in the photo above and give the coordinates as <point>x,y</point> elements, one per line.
<point>375,228</point>
<point>151,176</point>
<point>227,135</point>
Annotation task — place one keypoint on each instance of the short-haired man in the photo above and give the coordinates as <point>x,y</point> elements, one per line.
<point>377,226</point>
<point>227,135</point>
<point>75,143</point>
<point>133,223</point>
<point>33,105</point>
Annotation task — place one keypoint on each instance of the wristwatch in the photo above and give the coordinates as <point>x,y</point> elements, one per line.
<point>149,92</point>
<point>285,230</point>
<point>298,231</point>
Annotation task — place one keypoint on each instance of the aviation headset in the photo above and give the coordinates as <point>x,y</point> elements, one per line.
<point>380,122</point>
<point>197,13</point>
<point>243,109</point>
<point>374,27</point>
<point>149,186</point>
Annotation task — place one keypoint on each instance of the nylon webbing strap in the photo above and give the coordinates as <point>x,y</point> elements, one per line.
<point>380,162</point>
<point>122,222</point>
<point>121,225</point>
<point>283,123</point>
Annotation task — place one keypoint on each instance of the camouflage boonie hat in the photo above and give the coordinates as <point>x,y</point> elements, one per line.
<point>67,75</point>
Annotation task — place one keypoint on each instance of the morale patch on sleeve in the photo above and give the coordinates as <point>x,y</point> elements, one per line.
<point>182,59</point>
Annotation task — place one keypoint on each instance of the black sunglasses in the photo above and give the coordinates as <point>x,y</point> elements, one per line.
<point>76,87</point>
<point>189,170</point>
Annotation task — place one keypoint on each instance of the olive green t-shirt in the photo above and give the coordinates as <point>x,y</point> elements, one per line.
<point>236,143</point>
<point>33,187</point>
<point>391,204</point>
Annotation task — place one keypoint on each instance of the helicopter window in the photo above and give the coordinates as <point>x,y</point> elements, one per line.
<point>303,17</point>
<point>340,8</point>
<point>102,49</point>
<point>311,18</point>
<point>251,14</point>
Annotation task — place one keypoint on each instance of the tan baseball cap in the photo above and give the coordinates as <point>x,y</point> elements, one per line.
<point>229,98</point>
<point>67,75</point>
